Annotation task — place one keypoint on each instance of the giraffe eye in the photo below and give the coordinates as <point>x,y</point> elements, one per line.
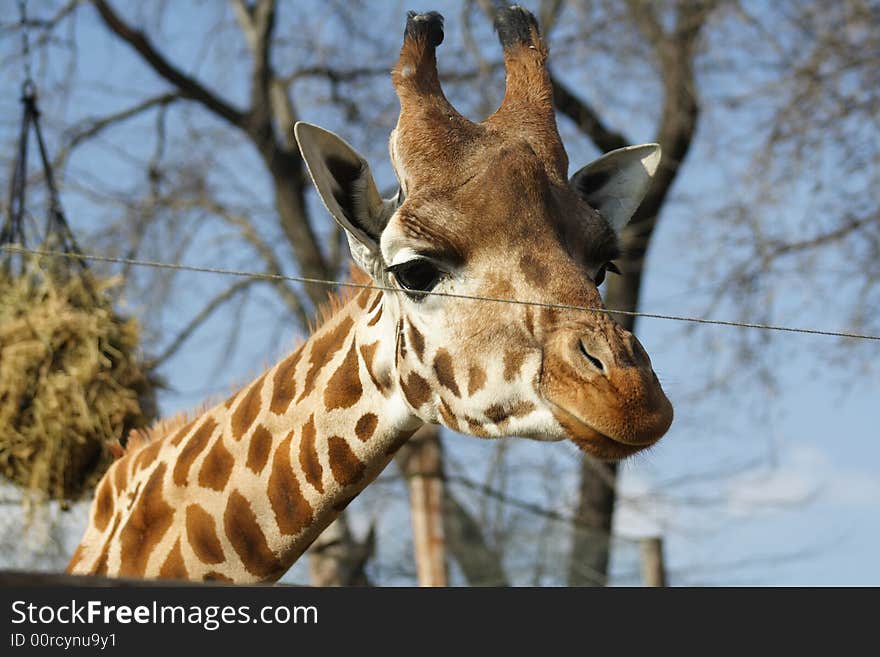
<point>416,276</point>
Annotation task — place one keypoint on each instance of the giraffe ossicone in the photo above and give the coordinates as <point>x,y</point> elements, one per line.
<point>238,492</point>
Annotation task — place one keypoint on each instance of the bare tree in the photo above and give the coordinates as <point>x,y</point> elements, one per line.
<point>204,126</point>
<point>673,51</point>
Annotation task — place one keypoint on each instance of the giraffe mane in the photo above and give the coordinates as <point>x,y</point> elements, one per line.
<point>337,300</point>
<point>140,438</point>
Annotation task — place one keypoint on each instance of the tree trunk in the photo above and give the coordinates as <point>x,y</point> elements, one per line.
<point>480,564</point>
<point>441,525</point>
<point>588,565</point>
<point>591,546</point>
<point>421,461</point>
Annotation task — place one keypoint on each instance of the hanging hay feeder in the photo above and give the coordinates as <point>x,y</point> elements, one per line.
<point>70,376</point>
<point>69,380</point>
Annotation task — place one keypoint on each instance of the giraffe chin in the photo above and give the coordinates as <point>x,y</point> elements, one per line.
<point>594,442</point>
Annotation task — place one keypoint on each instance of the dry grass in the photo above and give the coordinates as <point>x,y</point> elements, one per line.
<point>70,380</point>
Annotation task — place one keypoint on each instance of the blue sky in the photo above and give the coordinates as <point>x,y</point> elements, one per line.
<point>804,512</point>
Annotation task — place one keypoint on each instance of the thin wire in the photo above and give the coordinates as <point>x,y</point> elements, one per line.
<point>366,286</point>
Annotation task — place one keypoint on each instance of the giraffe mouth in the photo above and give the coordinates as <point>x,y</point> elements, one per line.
<point>594,442</point>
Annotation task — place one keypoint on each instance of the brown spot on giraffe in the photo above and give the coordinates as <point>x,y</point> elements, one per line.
<point>500,287</point>
<point>529,320</point>
<point>217,466</point>
<point>146,455</point>
<point>191,450</point>
<point>476,427</point>
<point>521,409</point>
<point>132,495</point>
<point>247,538</point>
<point>120,474</point>
<point>366,426</point>
<point>201,531</point>
<point>445,371</point>
<point>548,316</point>
<point>100,567</point>
<point>103,505</point>
<point>247,410</point>
<point>323,349</point>
<point>292,511</point>
<point>344,387</point>
<point>173,567</point>
<point>182,432</point>
<point>230,401</point>
<point>375,318</point>
<point>284,384</point>
<point>214,576</point>
<point>375,302</point>
<point>401,341</point>
<point>363,298</point>
<point>347,468</point>
<point>476,379</point>
<point>258,449</point>
<point>149,520</point>
<point>498,413</point>
<point>513,360</point>
<point>448,418</point>
<point>534,270</point>
<point>416,389</point>
<point>308,456</point>
<point>417,340</point>
<point>368,353</point>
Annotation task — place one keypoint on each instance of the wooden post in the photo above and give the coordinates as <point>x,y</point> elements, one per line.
<point>653,570</point>
<point>421,460</point>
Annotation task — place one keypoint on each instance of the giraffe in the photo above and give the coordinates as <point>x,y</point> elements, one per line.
<point>239,491</point>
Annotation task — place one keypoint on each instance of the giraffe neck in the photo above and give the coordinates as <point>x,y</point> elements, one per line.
<point>241,491</point>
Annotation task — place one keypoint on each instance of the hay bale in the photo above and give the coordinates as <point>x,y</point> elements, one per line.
<point>70,380</point>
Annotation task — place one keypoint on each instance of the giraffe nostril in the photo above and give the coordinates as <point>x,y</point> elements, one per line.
<point>593,360</point>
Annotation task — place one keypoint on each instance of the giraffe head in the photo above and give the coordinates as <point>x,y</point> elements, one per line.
<point>487,209</point>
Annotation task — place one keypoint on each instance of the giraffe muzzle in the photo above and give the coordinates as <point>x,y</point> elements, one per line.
<point>604,393</point>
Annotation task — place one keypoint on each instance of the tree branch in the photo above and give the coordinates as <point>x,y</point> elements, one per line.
<point>835,235</point>
<point>199,319</point>
<point>548,14</point>
<point>249,233</point>
<point>189,87</point>
<point>257,22</point>
<point>586,118</point>
<point>270,100</point>
<point>95,126</point>
<point>284,164</point>
<point>268,92</point>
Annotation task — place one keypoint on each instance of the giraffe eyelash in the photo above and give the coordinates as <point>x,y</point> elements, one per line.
<point>417,276</point>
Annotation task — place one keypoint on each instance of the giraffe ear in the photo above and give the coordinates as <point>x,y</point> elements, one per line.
<point>616,183</point>
<point>345,184</point>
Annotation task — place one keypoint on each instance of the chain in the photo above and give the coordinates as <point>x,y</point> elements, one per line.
<point>28,88</point>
